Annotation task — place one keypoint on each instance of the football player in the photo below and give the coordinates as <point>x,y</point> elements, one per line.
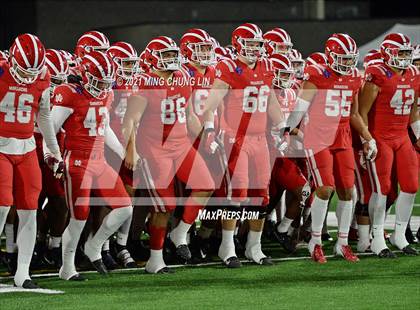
<point>55,211</point>
<point>277,41</point>
<point>298,66</point>
<point>126,61</point>
<point>329,95</point>
<point>165,117</point>
<point>244,86</point>
<point>24,95</point>
<point>285,175</point>
<point>387,107</point>
<point>83,112</point>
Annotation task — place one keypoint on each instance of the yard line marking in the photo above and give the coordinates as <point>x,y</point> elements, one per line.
<point>4,288</point>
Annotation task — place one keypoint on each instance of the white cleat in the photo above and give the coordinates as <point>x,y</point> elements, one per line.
<point>255,254</point>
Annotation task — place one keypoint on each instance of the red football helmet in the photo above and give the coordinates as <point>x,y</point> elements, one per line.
<point>125,57</point>
<point>248,42</point>
<point>57,66</point>
<point>98,74</point>
<point>317,58</point>
<point>283,71</point>
<point>397,51</point>
<point>144,66</point>
<point>89,41</point>
<point>297,62</point>
<point>27,58</point>
<point>371,58</point>
<point>277,41</point>
<point>162,54</point>
<point>222,53</point>
<point>342,53</point>
<point>197,46</point>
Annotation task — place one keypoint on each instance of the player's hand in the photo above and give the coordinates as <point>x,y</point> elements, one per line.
<point>281,139</point>
<point>362,160</point>
<point>210,144</point>
<point>56,164</point>
<point>370,150</point>
<point>131,159</point>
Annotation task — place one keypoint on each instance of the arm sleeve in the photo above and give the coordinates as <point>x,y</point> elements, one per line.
<point>45,124</point>
<point>112,141</point>
<point>59,114</point>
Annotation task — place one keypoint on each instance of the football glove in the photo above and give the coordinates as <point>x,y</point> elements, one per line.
<point>210,141</point>
<point>56,164</point>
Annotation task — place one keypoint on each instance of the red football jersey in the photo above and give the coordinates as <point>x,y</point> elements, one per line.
<point>245,105</point>
<point>122,91</point>
<point>390,113</point>
<point>19,103</point>
<point>164,118</point>
<point>85,127</point>
<point>328,122</point>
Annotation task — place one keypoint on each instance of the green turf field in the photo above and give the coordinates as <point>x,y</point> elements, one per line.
<point>292,284</point>
<point>370,284</point>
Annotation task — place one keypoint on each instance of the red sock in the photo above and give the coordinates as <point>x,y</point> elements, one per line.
<point>191,210</point>
<point>157,237</point>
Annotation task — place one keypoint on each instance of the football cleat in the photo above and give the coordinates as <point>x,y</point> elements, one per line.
<point>108,260</point>
<point>100,267</point>
<point>199,249</point>
<point>233,262</point>
<point>11,262</point>
<point>317,254</point>
<point>411,238</point>
<point>409,250</point>
<point>155,267</point>
<point>346,252</point>
<point>53,257</point>
<point>164,270</point>
<point>72,275</point>
<point>256,255</point>
<point>183,252</point>
<point>125,258</point>
<point>285,241</point>
<point>29,284</point>
<point>387,253</point>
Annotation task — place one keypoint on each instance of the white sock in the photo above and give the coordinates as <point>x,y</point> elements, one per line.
<point>110,224</point>
<point>178,235</point>
<point>25,242</point>
<point>284,225</point>
<point>10,238</point>
<point>71,238</point>
<point>378,241</point>
<point>4,211</point>
<point>344,213</point>
<point>155,262</point>
<point>319,209</point>
<point>123,231</point>
<point>373,201</point>
<point>403,209</point>
<point>227,247</point>
<point>54,242</point>
<point>363,233</point>
<point>254,237</point>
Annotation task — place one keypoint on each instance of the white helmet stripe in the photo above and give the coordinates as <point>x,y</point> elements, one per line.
<point>341,44</point>
<point>168,45</point>
<point>395,43</point>
<point>94,38</point>
<point>22,53</point>
<point>103,37</point>
<point>196,35</point>
<point>121,49</point>
<point>248,29</point>
<point>52,66</point>
<point>351,47</point>
<point>35,50</point>
<point>403,38</point>
<point>285,66</point>
<point>101,70</point>
<point>60,59</point>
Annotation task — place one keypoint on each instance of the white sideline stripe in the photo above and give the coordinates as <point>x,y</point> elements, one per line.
<point>4,288</point>
<point>47,275</point>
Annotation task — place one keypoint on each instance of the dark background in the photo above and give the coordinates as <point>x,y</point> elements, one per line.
<point>60,23</point>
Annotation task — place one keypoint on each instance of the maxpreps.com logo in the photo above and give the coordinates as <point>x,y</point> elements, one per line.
<point>228,215</point>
